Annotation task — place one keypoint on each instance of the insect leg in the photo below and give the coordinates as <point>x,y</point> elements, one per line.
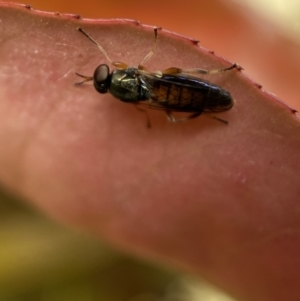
<point>119,65</point>
<point>174,70</point>
<point>212,71</point>
<point>148,56</point>
<point>173,119</point>
<point>217,118</point>
<point>194,115</point>
<point>95,42</point>
<point>147,115</point>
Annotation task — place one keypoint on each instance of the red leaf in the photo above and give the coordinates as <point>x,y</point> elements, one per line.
<point>219,200</point>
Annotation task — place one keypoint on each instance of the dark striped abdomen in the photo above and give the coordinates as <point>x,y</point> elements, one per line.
<point>190,94</point>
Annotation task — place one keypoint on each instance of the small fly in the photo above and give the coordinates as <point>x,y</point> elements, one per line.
<point>170,90</point>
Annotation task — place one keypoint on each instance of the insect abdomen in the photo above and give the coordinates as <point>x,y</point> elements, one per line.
<point>191,94</point>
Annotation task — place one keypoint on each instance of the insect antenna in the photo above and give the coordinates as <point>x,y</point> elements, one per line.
<point>86,79</point>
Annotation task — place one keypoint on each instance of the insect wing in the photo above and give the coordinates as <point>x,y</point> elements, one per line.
<point>184,93</point>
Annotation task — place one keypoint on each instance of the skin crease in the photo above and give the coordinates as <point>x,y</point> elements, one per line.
<point>216,200</point>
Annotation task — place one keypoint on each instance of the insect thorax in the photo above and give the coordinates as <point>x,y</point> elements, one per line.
<point>126,86</point>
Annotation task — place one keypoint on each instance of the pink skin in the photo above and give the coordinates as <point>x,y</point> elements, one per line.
<point>219,201</point>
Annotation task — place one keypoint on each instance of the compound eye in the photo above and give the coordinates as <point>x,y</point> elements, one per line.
<point>101,78</point>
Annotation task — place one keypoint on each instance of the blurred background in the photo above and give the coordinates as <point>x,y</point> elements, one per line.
<point>41,260</point>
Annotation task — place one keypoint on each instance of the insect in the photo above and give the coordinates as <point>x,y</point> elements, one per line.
<point>170,90</point>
